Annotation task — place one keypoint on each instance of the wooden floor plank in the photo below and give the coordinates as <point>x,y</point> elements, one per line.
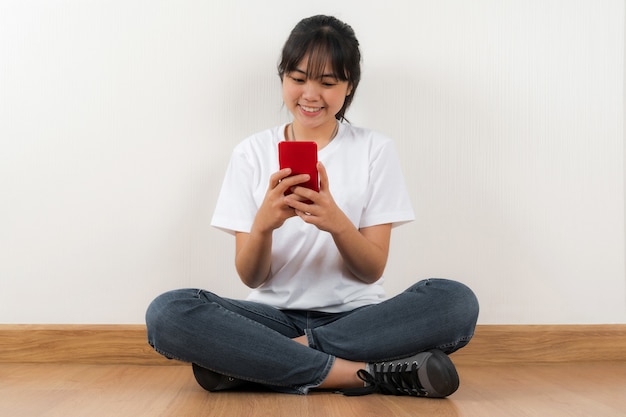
<point>556,390</point>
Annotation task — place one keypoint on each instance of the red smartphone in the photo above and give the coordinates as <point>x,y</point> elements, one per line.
<point>301,157</point>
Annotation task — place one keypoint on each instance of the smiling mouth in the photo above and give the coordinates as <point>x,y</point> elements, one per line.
<point>310,109</point>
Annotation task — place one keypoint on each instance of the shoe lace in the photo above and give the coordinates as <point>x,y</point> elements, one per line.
<point>391,379</point>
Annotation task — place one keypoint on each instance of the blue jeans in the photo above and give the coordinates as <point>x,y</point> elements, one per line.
<point>252,341</point>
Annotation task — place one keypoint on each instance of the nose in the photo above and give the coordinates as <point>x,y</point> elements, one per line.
<point>310,91</point>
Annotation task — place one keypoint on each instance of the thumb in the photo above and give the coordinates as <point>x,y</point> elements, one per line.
<point>323,176</point>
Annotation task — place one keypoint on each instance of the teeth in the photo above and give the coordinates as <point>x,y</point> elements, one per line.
<point>311,109</point>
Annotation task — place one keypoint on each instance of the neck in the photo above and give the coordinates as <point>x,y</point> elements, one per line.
<point>321,135</point>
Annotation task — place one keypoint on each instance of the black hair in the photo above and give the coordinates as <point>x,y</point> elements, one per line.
<point>324,38</point>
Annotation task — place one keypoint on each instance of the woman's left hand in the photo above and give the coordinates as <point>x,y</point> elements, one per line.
<point>322,212</point>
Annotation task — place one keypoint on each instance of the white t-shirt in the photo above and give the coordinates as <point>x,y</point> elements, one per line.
<point>307,271</point>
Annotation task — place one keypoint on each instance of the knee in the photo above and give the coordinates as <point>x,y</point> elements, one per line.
<point>164,310</point>
<point>464,306</point>
<point>461,295</point>
<point>467,303</point>
<point>455,300</point>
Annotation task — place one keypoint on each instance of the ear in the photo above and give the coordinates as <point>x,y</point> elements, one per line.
<point>349,90</point>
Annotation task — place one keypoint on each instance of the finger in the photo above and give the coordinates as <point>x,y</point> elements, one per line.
<point>277,177</point>
<point>321,169</point>
<point>304,216</point>
<point>283,181</point>
<point>297,200</point>
<point>295,180</point>
<point>301,199</point>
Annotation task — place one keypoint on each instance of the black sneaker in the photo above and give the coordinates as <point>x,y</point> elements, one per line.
<point>212,381</point>
<point>427,374</point>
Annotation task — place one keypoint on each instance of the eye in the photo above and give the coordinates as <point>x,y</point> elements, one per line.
<point>329,81</point>
<point>296,79</point>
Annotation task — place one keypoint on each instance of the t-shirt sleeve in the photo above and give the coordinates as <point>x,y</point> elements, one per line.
<point>236,208</point>
<point>388,200</point>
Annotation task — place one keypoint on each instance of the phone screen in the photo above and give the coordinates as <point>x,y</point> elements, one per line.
<point>301,157</point>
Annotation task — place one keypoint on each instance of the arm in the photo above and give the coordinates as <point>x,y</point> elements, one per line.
<point>253,257</point>
<point>364,251</point>
<point>253,250</point>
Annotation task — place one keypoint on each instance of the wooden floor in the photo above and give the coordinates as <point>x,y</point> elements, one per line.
<point>45,390</point>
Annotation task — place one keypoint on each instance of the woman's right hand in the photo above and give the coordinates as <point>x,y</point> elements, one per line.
<point>274,211</point>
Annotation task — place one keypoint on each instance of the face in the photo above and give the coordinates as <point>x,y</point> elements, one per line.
<point>313,102</point>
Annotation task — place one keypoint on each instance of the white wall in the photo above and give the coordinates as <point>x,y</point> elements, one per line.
<point>117,119</point>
